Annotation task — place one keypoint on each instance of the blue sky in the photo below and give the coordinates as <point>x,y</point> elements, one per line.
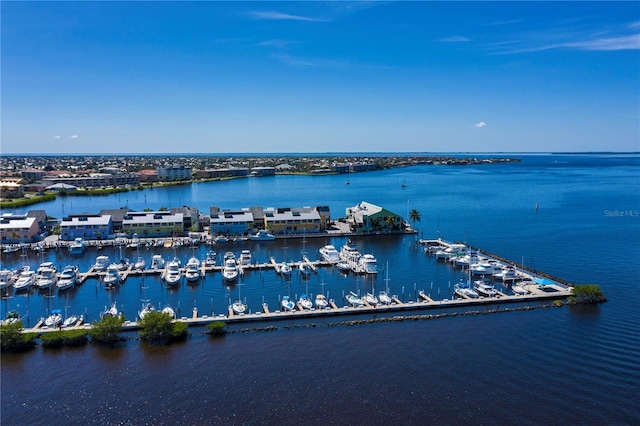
<point>243,77</point>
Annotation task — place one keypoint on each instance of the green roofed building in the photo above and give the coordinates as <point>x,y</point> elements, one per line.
<point>368,218</point>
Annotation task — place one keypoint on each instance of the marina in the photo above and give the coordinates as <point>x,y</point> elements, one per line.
<point>528,285</point>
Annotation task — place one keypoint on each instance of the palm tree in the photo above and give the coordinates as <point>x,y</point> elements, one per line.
<point>414,216</point>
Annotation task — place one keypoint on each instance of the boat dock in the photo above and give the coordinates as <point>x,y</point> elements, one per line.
<point>423,303</point>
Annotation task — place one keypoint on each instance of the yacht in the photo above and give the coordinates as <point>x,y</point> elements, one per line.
<point>507,274</point>
<point>287,304</point>
<point>68,277</point>
<point>354,300</point>
<point>305,302</point>
<point>112,277</point>
<point>172,274</point>
<point>329,254</point>
<point>78,246</point>
<point>350,254</point>
<point>262,235</point>
<point>47,276</point>
<point>25,280</point>
<point>482,268</point>
<point>485,289</point>
<point>519,289</point>
<point>192,270</point>
<point>321,301</point>
<point>245,257</point>
<point>157,261</point>
<point>101,264</point>
<point>368,264</point>
<point>230,270</point>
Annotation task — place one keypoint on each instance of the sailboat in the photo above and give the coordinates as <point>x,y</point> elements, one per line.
<point>238,307</point>
<point>321,299</point>
<point>383,296</point>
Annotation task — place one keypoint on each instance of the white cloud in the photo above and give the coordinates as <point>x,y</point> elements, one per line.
<point>284,16</point>
<point>276,43</point>
<point>56,137</point>
<point>74,136</point>
<point>481,124</point>
<point>454,39</point>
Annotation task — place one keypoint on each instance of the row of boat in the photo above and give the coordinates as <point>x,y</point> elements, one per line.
<point>349,259</point>
<point>44,278</point>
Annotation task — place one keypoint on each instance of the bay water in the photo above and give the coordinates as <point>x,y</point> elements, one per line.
<point>572,216</point>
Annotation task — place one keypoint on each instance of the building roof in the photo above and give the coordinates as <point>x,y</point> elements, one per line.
<point>152,217</point>
<point>12,221</point>
<point>57,186</point>
<point>83,220</point>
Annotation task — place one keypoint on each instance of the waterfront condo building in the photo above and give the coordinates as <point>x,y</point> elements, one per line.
<point>86,226</point>
<point>18,228</point>
<point>230,222</point>
<point>175,172</point>
<point>292,220</point>
<point>153,224</point>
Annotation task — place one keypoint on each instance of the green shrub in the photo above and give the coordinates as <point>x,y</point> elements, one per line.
<point>180,331</point>
<point>587,293</point>
<point>156,326</point>
<point>13,340</point>
<point>107,330</point>
<point>217,328</point>
<point>58,339</point>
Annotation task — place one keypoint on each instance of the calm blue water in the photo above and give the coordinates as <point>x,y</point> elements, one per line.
<point>552,366</point>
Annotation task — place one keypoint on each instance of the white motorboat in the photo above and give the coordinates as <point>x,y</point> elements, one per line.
<point>519,289</point>
<point>192,269</point>
<point>245,257</point>
<point>350,253</point>
<point>371,299</point>
<point>78,246</point>
<point>169,311</point>
<point>485,289</point>
<point>321,301</point>
<point>54,319</point>
<point>482,268</point>
<point>113,276</point>
<point>157,261</point>
<point>262,235</point>
<point>210,259</point>
<point>453,250</point>
<point>507,274</point>
<point>221,239</point>
<point>329,254</point>
<point>25,280</point>
<point>354,300</point>
<point>140,264</point>
<point>368,264</point>
<point>12,318</point>
<point>287,304</point>
<point>146,308</point>
<point>230,270</point>
<point>463,291</point>
<point>172,273</point>
<point>102,262</point>
<point>68,277</point>
<point>47,276</point>
<point>6,279</point>
<point>238,307</point>
<point>305,302</point>
<point>343,266</point>
<point>72,320</point>
<point>384,298</point>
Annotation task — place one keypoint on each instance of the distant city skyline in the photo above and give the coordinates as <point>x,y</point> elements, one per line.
<point>319,77</point>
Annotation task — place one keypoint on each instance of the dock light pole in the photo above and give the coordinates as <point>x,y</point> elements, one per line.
<point>414,291</point>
